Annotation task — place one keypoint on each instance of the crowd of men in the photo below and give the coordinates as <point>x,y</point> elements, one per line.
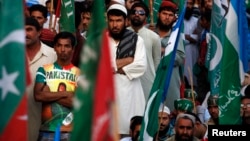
<point>136,48</point>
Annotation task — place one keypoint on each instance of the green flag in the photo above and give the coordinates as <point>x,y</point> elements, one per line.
<point>12,69</point>
<point>67,18</point>
<point>223,59</point>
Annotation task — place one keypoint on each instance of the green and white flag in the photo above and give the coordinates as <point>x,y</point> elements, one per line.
<point>161,83</point>
<point>13,117</point>
<point>223,59</point>
<point>67,18</point>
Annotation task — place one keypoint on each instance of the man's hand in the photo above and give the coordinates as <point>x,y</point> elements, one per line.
<point>120,63</point>
<point>120,71</point>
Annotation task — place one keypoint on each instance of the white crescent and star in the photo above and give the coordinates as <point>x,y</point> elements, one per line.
<point>7,83</point>
<point>12,37</point>
<point>218,53</point>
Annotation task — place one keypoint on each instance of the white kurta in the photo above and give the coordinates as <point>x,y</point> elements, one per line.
<point>152,44</point>
<point>191,49</point>
<point>129,93</point>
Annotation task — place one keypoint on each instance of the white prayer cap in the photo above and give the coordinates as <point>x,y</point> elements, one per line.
<point>164,110</point>
<point>122,2</point>
<point>118,7</point>
<point>181,115</point>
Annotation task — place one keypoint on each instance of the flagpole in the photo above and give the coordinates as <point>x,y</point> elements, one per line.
<point>151,12</point>
<point>192,88</point>
<point>57,13</point>
<point>115,127</point>
<point>51,13</point>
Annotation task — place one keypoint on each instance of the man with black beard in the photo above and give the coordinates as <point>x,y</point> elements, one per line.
<point>152,42</point>
<point>184,128</point>
<point>166,18</point>
<point>190,43</point>
<point>129,63</point>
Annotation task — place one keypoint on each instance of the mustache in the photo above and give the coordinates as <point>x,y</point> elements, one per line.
<point>114,28</point>
<point>27,37</point>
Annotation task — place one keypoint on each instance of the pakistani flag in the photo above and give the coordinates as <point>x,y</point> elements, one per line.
<point>224,60</point>
<point>13,115</point>
<point>94,102</point>
<point>161,83</point>
<point>67,18</point>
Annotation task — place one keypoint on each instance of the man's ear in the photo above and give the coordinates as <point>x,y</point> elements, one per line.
<point>197,123</point>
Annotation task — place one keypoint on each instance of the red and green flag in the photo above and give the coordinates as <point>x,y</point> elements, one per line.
<point>224,58</point>
<point>13,102</point>
<point>94,101</point>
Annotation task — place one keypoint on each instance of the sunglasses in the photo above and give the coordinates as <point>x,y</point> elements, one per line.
<point>139,12</point>
<point>243,105</point>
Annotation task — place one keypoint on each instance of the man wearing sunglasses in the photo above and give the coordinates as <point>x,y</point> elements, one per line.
<point>152,42</point>
<point>245,110</point>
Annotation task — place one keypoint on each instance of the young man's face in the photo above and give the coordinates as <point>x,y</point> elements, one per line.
<point>86,17</point>
<point>213,111</point>
<point>166,17</point>
<point>64,50</point>
<point>208,4</point>
<point>39,17</point>
<point>116,24</point>
<point>32,35</point>
<point>164,120</point>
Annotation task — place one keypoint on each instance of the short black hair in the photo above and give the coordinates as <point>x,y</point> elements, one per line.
<point>33,22</point>
<point>65,35</point>
<point>40,8</point>
<point>136,120</point>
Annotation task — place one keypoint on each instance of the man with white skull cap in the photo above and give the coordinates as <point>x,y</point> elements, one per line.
<point>166,129</point>
<point>128,57</point>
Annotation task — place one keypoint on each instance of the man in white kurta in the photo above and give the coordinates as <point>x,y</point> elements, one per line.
<point>152,44</point>
<point>190,41</point>
<point>128,67</point>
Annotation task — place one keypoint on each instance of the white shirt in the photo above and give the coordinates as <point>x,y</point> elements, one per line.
<point>129,92</point>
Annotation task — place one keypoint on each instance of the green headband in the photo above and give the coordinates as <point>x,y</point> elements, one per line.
<point>184,105</point>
